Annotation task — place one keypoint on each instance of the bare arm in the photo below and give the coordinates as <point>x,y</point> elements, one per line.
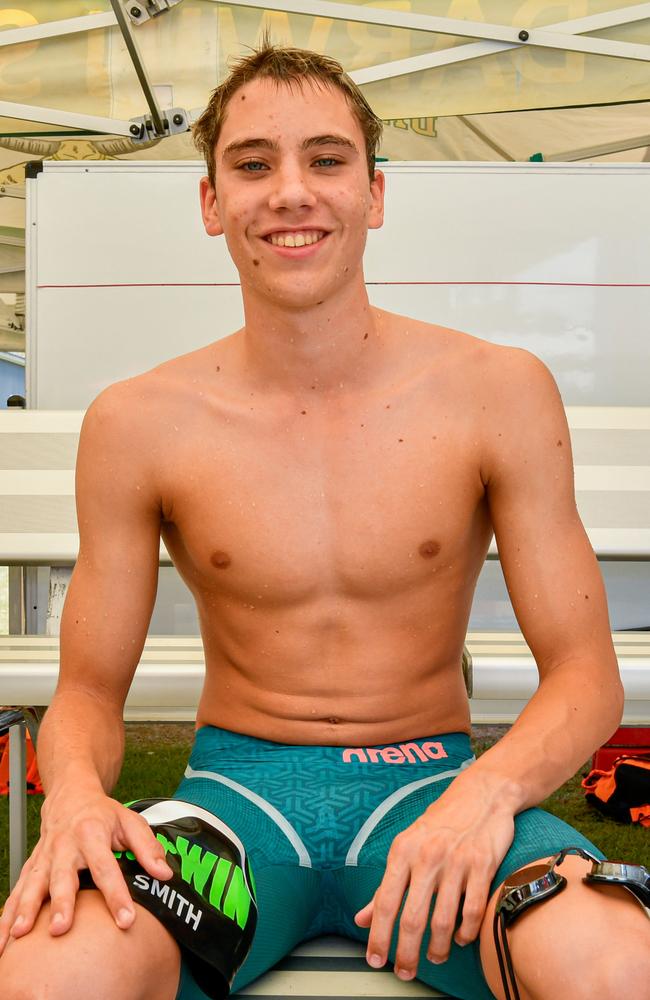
<point>110,598</point>
<point>556,590</point>
<point>104,626</point>
<point>457,844</point>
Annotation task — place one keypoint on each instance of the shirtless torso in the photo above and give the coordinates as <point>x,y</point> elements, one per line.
<point>332,543</point>
<point>327,481</point>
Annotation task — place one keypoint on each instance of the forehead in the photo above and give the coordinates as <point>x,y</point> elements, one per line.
<point>288,112</point>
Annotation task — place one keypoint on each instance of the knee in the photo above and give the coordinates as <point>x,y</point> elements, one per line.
<point>25,976</point>
<point>618,969</point>
<point>624,970</point>
<point>21,977</point>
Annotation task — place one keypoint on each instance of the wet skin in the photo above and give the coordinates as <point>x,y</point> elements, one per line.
<point>327,481</point>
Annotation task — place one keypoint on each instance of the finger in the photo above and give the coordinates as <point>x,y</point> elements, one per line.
<point>474,906</point>
<point>387,902</point>
<point>142,842</point>
<point>64,886</point>
<point>31,891</point>
<point>10,910</point>
<point>443,920</point>
<point>7,918</point>
<point>364,917</point>
<point>413,922</point>
<point>107,876</point>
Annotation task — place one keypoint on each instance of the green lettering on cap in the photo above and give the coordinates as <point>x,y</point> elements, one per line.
<point>251,879</point>
<point>238,901</point>
<point>196,864</point>
<point>218,882</point>
<point>129,854</point>
<point>168,847</point>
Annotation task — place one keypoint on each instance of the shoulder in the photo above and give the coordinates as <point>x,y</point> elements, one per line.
<point>524,420</point>
<point>146,403</point>
<point>481,365</point>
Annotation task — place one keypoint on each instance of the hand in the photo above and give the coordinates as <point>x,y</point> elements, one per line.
<point>80,830</point>
<point>455,847</point>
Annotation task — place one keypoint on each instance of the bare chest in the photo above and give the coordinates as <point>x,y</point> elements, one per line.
<point>360,501</point>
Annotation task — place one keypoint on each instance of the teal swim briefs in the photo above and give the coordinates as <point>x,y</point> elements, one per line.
<point>317,823</point>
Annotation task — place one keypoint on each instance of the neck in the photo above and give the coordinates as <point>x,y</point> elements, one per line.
<point>331,347</point>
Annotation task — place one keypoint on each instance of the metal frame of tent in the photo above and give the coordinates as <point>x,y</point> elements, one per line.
<point>492,38</point>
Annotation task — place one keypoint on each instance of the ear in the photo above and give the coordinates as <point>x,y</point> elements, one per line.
<point>209,208</point>
<point>377,188</point>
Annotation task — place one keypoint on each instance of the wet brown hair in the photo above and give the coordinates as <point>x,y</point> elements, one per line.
<point>287,66</point>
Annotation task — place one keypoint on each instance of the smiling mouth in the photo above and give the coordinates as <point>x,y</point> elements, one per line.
<point>304,238</point>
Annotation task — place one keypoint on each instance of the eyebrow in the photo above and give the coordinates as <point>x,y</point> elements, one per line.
<point>241,145</point>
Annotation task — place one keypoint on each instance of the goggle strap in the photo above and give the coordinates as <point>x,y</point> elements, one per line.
<point>502,949</point>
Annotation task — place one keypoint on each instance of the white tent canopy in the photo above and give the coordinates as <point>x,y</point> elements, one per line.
<point>452,79</point>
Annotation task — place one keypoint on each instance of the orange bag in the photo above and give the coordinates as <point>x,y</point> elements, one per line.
<point>622,792</point>
<point>34,786</point>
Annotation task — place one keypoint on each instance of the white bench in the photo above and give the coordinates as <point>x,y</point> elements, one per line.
<point>611,447</point>
<point>38,527</point>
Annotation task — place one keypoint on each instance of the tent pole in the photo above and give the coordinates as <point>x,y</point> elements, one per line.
<point>136,59</point>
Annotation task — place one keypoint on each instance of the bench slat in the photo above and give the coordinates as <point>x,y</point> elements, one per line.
<point>331,966</point>
<point>169,678</point>
<point>611,450</point>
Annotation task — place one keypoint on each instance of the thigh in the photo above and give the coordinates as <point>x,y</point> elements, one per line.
<point>587,941</point>
<point>537,834</point>
<point>461,975</point>
<point>95,958</point>
<point>287,887</point>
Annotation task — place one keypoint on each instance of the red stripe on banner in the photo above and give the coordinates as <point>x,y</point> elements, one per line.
<point>161,284</point>
<point>236,284</point>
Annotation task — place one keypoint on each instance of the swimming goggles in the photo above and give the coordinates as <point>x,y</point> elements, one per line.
<point>537,882</point>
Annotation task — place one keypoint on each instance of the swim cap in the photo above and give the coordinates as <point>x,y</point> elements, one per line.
<point>209,904</point>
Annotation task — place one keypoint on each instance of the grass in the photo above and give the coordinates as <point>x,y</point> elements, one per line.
<point>156,756</point>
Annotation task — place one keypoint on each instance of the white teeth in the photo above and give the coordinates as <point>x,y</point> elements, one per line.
<point>305,238</point>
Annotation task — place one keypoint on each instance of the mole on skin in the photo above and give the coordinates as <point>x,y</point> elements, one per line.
<point>429,549</point>
<point>220,559</point>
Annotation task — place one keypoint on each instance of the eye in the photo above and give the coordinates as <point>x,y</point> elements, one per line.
<point>327,161</point>
<point>252,166</point>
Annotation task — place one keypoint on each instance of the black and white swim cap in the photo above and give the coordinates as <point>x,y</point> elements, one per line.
<point>209,905</point>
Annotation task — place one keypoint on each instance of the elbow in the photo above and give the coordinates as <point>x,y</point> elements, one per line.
<point>615,700</point>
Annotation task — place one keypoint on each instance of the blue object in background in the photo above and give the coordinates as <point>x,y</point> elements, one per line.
<point>12,376</point>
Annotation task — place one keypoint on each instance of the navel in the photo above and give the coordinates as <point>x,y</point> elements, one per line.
<point>220,559</point>
<point>429,549</point>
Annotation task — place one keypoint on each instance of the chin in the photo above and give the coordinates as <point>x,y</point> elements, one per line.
<point>297,298</point>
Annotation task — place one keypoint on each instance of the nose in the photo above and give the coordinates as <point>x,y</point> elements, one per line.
<point>292,188</point>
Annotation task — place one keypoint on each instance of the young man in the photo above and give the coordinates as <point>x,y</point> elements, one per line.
<point>327,480</point>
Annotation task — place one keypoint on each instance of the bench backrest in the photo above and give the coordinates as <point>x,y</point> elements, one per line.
<point>38,524</point>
